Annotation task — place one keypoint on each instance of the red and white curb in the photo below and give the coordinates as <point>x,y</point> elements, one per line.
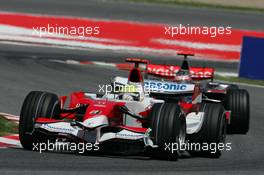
<point>121,36</point>
<point>10,117</point>
<point>10,141</point>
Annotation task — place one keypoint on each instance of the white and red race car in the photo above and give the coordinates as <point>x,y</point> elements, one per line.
<point>123,121</point>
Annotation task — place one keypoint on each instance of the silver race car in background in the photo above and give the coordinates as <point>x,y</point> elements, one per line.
<point>233,98</point>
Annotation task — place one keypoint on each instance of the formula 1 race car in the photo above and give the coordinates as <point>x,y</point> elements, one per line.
<point>206,119</point>
<point>185,86</point>
<point>124,120</point>
<point>117,122</point>
<point>234,99</point>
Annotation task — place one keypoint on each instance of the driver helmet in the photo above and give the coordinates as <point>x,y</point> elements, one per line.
<point>183,76</point>
<point>132,92</point>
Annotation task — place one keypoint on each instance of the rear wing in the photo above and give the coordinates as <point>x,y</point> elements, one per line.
<point>169,71</point>
<point>138,63</point>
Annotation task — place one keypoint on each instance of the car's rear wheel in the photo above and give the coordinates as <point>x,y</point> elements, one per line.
<point>36,104</point>
<point>212,132</point>
<point>237,101</point>
<point>232,86</point>
<point>168,124</point>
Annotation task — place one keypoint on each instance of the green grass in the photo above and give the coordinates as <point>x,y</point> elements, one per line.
<point>7,127</point>
<point>199,5</point>
<point>240,80</point>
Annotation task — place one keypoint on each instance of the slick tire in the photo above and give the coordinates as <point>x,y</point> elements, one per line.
<point>36,104</point>
<point>237,101</point>
<point>168,126</point>
<point>212,132</point>
<point>233,87</point>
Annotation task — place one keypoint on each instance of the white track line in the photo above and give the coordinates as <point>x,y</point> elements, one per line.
<point>227,74</point>
<point>244,84</point>
<point>199,45</point>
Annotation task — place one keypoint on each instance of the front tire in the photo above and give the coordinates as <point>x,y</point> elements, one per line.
<point>168,124</point>
<point>213,130</point>
<point>36,104</point>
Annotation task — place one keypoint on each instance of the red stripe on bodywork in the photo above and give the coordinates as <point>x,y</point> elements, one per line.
<point>134,129</point>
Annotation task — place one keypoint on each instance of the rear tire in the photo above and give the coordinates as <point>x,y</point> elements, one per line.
<point>36,104</point>
<point>232,87</point>
<point>237,101</point>
<point>168,124</point>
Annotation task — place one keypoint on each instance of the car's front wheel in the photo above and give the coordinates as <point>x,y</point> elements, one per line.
<point>168,128</point>
<point>212,132</point>
<point>36,104</point>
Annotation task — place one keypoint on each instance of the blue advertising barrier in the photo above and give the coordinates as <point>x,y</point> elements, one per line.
<point>252,58</point>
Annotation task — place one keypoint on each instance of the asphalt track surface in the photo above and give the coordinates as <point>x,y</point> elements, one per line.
<point>23,69</point>
<point>109,9</point>
<point>20,75</point>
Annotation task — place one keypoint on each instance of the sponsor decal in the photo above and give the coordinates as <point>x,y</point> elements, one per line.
<point>95,112</point>
<point>128,134</point>
<point>57,129</point>
<point>167,86</point>
<point>172,70</point>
